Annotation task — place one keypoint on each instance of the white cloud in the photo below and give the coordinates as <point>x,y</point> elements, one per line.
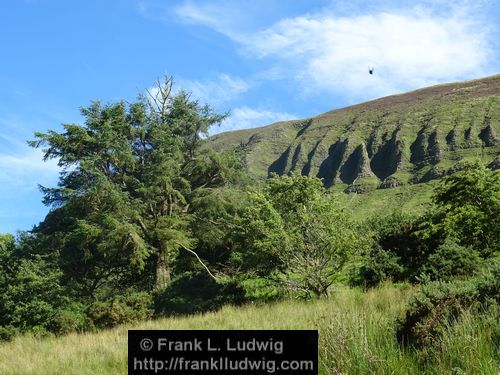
<point>202,14</point>
<point>246,117</point>
<point>25,170</point>
<point>227,17</point>
<point>218,90</point>
<point>409,48</point>
<point>214,91</point>
<point>406,50</point>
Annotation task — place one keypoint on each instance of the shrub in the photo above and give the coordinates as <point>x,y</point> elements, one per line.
<point>7,332</point>
<point>452,260</point>
<point>438,304</point>
<point>396,252</point>
<point>30,295</point>
<point>194,292</point>
<point>262,289</point>
<point>380,265</point>
<point>70,318</point>
<point>121,309</point>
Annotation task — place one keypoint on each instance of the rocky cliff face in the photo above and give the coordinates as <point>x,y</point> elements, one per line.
<point>408,138</point>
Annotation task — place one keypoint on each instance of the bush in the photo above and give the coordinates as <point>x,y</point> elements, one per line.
<point>379,266</point>
<point>7,333</point>
<point>262,289</point>
<point>121,309</point>
<point>396,252</point>
<point>30,295</point>
<point>70,318</point>
<point>194,292</point>
<point>438,304</point>
<point>452,260</point>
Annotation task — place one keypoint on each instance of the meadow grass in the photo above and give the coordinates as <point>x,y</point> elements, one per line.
<point>356,335</point>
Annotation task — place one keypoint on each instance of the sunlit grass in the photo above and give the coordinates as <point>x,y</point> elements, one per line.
<point>356,330</point>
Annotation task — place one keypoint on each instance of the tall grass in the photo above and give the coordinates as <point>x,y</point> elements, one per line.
<point>356,330</point>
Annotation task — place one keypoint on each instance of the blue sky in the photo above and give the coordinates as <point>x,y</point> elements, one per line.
<point>264,60</point>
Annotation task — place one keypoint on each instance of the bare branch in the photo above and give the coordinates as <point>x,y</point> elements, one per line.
<point>199,259</point>
<point>159,95</point>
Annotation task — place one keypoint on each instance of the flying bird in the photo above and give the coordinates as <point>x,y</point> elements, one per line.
<point>370,70</point>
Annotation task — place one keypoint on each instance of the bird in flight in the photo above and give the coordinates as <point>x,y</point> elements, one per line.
<point>371,69</point>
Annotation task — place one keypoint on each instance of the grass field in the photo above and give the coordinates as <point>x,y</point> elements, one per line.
<point>356,331</point>
<point>414,199</point>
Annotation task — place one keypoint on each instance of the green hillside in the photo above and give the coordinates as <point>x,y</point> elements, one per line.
<point>396,142</point>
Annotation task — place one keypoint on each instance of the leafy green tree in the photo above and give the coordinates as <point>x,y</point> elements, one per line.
<point>32,297</point>
<point>295,231</point>
<point>468,209</point>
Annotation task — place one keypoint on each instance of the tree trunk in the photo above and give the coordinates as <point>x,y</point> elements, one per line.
<point>162,272</point>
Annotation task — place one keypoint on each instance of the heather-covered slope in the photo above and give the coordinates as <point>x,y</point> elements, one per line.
<point>394,141</point>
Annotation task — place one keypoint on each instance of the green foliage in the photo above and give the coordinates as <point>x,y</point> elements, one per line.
<point>395,253</point>
<point>130,307</point>
<point>296,231</point>
<point>31,295</point>
<point>468,207</point>
<point>452,260</point>
<point>71,317</point>
<point>378,266</point>
<point>7,244</point>
<point>214,212</point>
<point>260,234</point>
<point>439,304</point>
<point>262,289</point>
<point>196,292</point>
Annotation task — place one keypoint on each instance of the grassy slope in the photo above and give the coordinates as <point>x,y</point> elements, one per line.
<point>458,106</point>
<point>415,199</point>
<point>419,123</point>
<point>356,335</point>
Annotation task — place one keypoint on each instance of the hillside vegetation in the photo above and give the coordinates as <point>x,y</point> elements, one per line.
<point>398,140</point>
<point>356,332</point>
<point>146,222</point>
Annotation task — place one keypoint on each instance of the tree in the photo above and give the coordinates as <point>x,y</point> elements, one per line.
<point>129,174</point>
<point>296,231</point>
<point>468,209</point>
<point>31,295</point>
<point>450,241</point>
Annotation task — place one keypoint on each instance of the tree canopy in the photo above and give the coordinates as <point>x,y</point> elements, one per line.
<point>297,231</point>
<point>129,176</point>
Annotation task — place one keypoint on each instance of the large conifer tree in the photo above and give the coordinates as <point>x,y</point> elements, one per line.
<point>121,207</point>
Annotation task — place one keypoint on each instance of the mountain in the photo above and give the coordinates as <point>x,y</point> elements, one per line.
<point>395,141</point>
